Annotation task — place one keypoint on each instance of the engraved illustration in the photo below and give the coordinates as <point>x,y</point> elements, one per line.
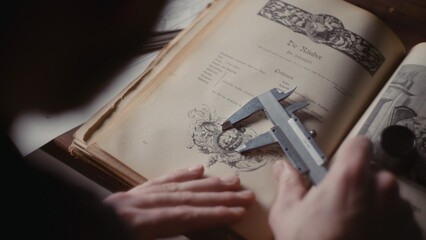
<point>325,29</point>
<point>402,104</point>
<point>206,135</point>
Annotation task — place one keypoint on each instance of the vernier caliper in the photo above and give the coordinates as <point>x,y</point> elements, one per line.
<point>288,132</point>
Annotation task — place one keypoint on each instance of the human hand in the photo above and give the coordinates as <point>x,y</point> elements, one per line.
<point>181,202</point>
<point>352,202</point>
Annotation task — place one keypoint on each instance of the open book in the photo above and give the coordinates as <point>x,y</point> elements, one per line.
<point>338,56</point>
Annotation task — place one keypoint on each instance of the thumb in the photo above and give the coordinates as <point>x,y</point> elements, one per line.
<point>291,187</point>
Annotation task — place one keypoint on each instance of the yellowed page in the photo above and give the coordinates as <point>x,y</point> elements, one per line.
<point>402,102</point>
<point>253,46</point>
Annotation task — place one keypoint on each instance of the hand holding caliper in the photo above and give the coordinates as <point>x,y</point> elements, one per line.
<point>288,132</point>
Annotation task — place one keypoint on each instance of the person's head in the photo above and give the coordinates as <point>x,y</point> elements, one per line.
<point>56,54</point>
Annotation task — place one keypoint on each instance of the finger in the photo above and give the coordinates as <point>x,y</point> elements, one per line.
<point>393,211</point>
<point>291,186</point>
<point>389,199</point>
<point>387,188</point>
<point>210,184</point>
<point>184,219</point>
<point>406,221</point>
<point>228,198</point>
<point>180,175</point>
<point>351,166</point>
<point>397,220</point>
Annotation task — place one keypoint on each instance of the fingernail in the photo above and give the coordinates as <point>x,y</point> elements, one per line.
<point>245,194</point>
<point>237,210</point>
<point>278,168</point>
<point>279,165</point>
<point>195,169</point>
<point>229,180</point>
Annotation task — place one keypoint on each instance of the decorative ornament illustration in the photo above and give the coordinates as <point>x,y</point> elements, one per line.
<point>206,135</point>
<point>325,29</point>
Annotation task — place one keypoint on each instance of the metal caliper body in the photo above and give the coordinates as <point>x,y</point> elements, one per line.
<point>297,143</point>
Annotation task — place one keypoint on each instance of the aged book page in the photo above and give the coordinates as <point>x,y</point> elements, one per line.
<point>338,57</point>
<point>402,102</point>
